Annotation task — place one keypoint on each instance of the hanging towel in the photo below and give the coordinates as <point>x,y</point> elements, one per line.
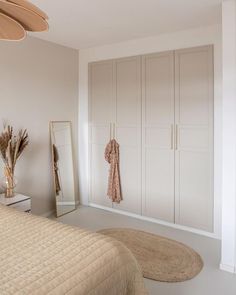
<point>112,157</point>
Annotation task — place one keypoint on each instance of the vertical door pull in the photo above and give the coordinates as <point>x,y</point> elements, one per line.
<point>176,137</point>
<point>110,131</point>
<point>172,136</point>
<point>114,130</point>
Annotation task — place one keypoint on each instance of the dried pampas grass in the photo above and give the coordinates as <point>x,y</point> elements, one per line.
<point>12,146</point>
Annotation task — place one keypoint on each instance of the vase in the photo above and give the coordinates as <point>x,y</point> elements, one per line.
<point>9,182</point>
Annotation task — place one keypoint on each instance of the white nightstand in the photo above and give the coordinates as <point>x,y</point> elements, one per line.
<point>19,202</point>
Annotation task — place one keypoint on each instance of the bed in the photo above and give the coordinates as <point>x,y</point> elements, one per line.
<point>41,256</point>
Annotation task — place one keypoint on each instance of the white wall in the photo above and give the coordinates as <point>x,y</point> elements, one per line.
<point>177,40</point>
<point>38,83</point>
<point>228,259</point>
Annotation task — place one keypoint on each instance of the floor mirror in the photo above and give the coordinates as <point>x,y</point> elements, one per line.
<point>63,166</point>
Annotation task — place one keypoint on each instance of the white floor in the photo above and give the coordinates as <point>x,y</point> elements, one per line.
<point>210,281</point>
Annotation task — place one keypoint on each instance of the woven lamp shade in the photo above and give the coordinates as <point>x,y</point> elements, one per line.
<point>19,16</point>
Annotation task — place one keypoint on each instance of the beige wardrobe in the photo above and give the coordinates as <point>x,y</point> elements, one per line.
<point>159,107</point>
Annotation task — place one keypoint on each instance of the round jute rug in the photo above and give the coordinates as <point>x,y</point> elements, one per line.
<point>161,259</point>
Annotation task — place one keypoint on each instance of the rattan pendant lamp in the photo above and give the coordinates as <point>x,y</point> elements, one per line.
<point>19,16</point>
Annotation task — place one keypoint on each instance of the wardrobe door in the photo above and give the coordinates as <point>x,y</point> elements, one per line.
<point>194,137</point>
<point>158,136</point>
<point>127,76</point>
<point>101,113</point>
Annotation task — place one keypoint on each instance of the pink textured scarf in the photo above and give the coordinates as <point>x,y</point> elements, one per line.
<point>112,157</point>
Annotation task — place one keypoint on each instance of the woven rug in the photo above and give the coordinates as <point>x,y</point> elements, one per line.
<point>161,259</point>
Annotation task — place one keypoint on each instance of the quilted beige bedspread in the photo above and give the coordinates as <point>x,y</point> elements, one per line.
<point>40,256</point>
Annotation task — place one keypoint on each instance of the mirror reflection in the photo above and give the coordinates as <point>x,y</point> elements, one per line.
<point>63,167</point>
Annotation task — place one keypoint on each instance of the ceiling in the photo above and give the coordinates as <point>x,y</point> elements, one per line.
<point>88,23</point>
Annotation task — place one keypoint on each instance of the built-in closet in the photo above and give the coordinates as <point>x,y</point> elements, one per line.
<point>159,108</point>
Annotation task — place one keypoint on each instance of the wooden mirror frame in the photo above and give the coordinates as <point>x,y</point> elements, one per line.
<point>53,170</point>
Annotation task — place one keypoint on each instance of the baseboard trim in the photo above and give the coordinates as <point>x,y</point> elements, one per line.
<point>161,222</point>
<point>228,268</point>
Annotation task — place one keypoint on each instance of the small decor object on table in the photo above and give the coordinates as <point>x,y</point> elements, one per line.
<point>19,202</point>
<point>11,147</point>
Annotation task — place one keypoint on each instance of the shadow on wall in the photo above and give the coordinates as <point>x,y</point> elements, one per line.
<point>27,167</point>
